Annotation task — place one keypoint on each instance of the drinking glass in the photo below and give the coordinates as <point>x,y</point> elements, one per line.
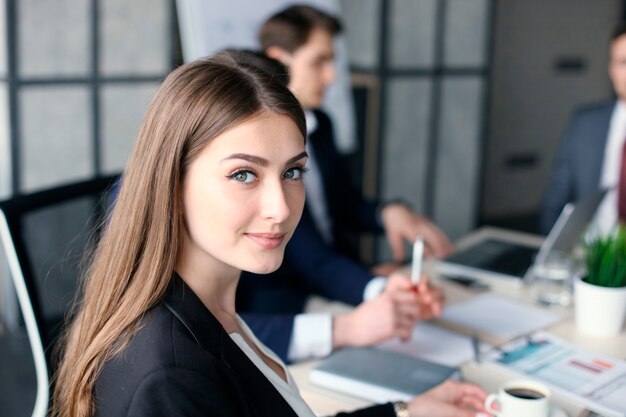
<point>552,279</point>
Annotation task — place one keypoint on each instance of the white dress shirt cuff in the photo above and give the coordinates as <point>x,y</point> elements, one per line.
<point>312,336</point>
<point>374,288</point>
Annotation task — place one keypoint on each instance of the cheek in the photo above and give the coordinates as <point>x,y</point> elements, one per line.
<point>231,210</point>
<point>306,77</point>
<point>618,73</point>
<point>296,202</point>
<point>198,214</point>
<point>207,210</point>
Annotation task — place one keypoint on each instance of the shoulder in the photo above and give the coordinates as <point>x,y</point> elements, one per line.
<point>177,391</point>
<point>161,350</point>
<point>588,125</point>
<point>592,110</point>
<point>160,340</point>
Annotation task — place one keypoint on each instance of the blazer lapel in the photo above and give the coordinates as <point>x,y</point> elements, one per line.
<point>257,392</point>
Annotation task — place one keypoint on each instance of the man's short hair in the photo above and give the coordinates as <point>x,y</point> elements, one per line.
<point>290,28</point>
<point>620,30</point>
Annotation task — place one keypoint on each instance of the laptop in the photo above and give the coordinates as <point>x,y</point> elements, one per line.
<point>493,254</point>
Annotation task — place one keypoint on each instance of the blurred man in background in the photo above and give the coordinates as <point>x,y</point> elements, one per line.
<point>592,155</point>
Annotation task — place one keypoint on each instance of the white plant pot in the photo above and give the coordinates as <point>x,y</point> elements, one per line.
<point>600,311</point>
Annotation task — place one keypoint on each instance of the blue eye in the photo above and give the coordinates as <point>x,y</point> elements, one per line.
<point>243,176</point>
<point>295,173</point>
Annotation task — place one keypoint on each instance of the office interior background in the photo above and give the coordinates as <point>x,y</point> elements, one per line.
<point>459,104</point>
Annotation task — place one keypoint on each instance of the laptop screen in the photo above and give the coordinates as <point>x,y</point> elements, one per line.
<point>509,258</point>
<point>497,256</point>
<point>569,227</point>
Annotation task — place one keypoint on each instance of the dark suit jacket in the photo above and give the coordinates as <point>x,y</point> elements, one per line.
<point>578,164</point>
<point>182,363</point>
<point>268,303</point>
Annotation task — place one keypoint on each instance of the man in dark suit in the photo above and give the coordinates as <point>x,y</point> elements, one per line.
<point>591,154</point>
<point>301,38</point>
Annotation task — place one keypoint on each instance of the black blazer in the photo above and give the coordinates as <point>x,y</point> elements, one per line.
<point>181,362</point>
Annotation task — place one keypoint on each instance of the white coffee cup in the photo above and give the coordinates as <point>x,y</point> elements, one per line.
<point>520,398</point>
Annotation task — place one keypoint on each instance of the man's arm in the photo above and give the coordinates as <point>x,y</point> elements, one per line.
<point>403,224</point>
<point>324,270</point>
<point>311,335</point>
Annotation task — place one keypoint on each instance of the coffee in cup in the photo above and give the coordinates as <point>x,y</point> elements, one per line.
<point>525,393</point>
<point>520,398</point>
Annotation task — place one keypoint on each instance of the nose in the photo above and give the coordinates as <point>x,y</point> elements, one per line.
<point>275,204</point>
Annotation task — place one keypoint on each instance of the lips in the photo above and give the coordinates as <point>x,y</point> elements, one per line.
<point>267,240</point>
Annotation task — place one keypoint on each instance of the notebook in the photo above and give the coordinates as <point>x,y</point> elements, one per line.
<point>379,375</point>
<point>498,256</point>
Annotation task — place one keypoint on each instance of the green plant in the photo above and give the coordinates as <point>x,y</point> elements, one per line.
<point>605,259</point>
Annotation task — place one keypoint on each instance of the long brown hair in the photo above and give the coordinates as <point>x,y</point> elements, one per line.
<point>133,264</point>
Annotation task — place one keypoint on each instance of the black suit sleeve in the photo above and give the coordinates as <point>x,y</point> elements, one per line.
<point>380,410</point>
<point>325,271</point>
<point>175,392</point>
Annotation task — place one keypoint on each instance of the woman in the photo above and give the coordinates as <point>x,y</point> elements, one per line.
<point>213,187</point>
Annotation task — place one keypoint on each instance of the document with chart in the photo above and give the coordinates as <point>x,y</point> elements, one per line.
<point>596,381</point>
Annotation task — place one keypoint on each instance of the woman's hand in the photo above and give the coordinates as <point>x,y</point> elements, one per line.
<point>449,399</point>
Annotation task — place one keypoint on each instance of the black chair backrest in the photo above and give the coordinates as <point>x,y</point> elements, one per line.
<point>45,236</point>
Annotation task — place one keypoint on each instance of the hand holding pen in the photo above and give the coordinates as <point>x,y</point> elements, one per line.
<point>430,298</point>
<point>417,292</point>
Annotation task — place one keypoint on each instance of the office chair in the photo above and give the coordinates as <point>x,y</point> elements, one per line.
<point>45,235</point>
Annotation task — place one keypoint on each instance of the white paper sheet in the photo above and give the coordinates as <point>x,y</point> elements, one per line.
<point>499,316</point>
<point>435,344</point>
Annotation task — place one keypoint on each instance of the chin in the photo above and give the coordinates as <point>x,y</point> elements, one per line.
<point>266,266</point>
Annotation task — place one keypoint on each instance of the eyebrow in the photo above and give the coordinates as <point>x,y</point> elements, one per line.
<point>262,161</point>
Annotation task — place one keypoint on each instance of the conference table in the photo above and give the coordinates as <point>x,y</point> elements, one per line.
<point>326,402</point>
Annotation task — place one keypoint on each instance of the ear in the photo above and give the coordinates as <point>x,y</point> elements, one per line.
<point>279,54</point>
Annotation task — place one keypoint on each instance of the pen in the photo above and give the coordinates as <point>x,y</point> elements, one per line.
<point>416,265</point>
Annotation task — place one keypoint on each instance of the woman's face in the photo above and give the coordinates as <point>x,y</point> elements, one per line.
<point>243,196</point>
